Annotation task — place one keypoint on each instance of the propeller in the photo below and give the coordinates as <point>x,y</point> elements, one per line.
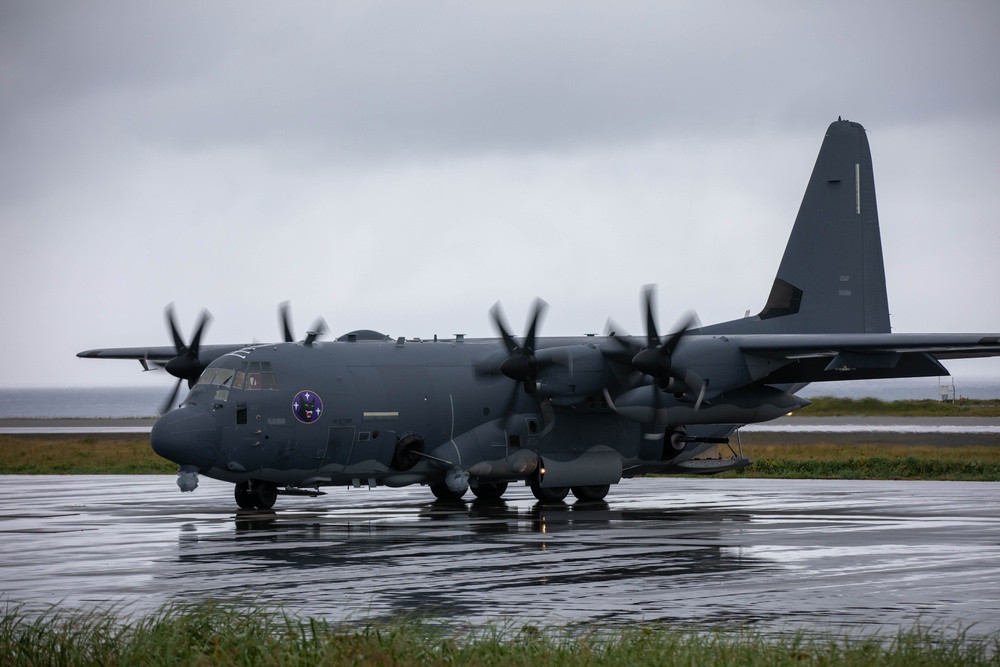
<point>284,316</point>
<point>655,358</point>
<point>186,365</point>
<point>521,363</point>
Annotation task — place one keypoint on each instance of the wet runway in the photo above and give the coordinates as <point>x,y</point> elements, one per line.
<point>780,554</point>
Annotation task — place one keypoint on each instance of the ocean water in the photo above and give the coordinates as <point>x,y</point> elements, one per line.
<point>124,402</point>
<point>82,403</point>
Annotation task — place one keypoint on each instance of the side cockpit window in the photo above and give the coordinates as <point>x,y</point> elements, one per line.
<point>222,378</point>
<point>217,376</point>
<point>208,376</point>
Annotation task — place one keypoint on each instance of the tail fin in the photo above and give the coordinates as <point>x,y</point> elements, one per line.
<point>831,278</point>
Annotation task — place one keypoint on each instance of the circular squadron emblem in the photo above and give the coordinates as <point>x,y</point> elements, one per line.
<point>307,407</point>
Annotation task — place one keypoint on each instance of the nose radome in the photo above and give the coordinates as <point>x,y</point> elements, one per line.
<point>188,436</point>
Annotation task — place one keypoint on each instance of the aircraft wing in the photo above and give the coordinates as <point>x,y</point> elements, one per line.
<point>823,357</point>
<point>157,356</point>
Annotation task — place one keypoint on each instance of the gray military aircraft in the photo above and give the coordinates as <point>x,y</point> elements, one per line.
<point>559,414</point>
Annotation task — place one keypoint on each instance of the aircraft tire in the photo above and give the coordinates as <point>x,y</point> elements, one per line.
<point>244,498</point>
<point>264,494</point>
<point>591,493</point>
<point>490,490</point>
<point>551,494</point>
<point>442,492</point>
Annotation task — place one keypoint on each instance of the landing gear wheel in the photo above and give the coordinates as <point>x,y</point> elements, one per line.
<point>244,498</point>
<point>254,494</point>
<point>264,494</point>
<point>489,490</point>
<point>591,493</point>
<point>442,492</point>
<point>551,494</point>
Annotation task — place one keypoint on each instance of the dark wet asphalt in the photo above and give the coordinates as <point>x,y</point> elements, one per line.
<point>776,553</point>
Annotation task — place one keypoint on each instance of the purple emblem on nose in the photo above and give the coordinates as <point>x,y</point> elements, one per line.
<point>307,407</point>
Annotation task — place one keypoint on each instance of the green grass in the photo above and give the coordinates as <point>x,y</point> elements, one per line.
<point>851,456</point>
<point>64,455</point>
<point>210,633</point>
<point>874,467</point>
<point>862,460</point>
<point>828,406</point>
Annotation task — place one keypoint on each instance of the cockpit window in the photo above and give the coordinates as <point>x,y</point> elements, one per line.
<point>217,376</point>
<point>255,376</point>
<point>208,376</point>
<point>224,376</point>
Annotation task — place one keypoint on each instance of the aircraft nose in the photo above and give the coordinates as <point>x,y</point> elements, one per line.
<point>188,436</point>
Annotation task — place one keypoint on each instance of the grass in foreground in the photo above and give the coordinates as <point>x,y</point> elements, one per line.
<point>227,634</point>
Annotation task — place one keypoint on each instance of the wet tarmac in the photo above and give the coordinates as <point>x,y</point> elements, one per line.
<point>777,554</point>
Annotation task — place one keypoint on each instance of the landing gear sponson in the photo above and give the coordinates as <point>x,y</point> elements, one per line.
<point>495,490</point>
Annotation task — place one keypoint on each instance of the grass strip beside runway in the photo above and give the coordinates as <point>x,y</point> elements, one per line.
<point>106,454</point>
<point>228,634</point>
<point>829,406</point>
<point>871,456</point>
<point>776,455</point>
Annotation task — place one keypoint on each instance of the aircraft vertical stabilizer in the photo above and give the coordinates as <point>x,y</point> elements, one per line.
<point>831,278</point>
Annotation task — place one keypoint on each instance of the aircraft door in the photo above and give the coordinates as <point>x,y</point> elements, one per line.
<point>261,441</point>
<point>375,444</point>
<point>333,457</point>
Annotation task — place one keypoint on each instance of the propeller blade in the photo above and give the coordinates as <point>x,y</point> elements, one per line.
<point>169,403</point>
<point>696,385</point>
<point>538,312</point>
<point>500,324</point>
<point>174,331</point>
<point>652,338</point>
<point>688,320</point>
<point>205,318</point>
<point>285,320</point>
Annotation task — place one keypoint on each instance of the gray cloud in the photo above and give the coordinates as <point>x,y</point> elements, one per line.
<point>402,166</point>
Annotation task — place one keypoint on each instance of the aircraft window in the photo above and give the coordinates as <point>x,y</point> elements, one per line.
<point>239,379</point>
<point>269,379</point>
<point>207,376</point>
<point>253,376</point>
<point>224,376</point>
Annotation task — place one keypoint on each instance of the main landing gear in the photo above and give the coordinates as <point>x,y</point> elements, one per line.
<point>556,494</point>
<point>495,490</point>
<point>484,491</point>
<point>255,494</point>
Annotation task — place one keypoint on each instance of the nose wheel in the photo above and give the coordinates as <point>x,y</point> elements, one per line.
<point>256,494</point>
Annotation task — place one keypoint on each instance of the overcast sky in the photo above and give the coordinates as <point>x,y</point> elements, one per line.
<point>401,166</point>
